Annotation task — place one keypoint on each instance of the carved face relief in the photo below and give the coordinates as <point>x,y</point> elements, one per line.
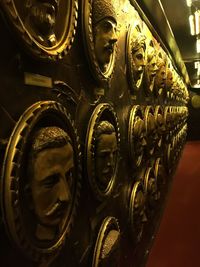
<point>48,177</point>
<point>140,138</point>
<point>50,189</point>
<point>138,63</point>
<point>46,27</point>
<point>42,16</point>
<point>161,76</point>
<point>169,79</point>
<point>137,211</point>
<point>151,67</point>
<point>106,156</point>
<point>105,38</point>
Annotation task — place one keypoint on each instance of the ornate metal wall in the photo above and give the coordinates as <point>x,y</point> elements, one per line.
<point>93,121</point>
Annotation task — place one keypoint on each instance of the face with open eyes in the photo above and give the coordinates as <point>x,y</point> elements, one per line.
<point>138,63</point>
<point>106,156</point>
<point>51,185</point>
<point>105,38</point>
<point>161,76</point>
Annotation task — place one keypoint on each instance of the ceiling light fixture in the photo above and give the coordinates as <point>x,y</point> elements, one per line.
<point>198,45</point>
<point>197,21</point>
<point>192,24</point>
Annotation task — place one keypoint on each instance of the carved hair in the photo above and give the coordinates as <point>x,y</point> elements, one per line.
<point>104,127</point>
<point>102,9</point>
<point>138,41</point>
<point>44,138</point>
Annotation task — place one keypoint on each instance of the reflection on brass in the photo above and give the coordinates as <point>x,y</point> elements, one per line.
<point>107,247</point>
<point>137,214</point>
<point>136,135</point>
<point>151,66</point>
<point>100,33</point>
<point>159,173</point>
<point>135,49</point>
<point>40,195</point>
<point>46,27</point>
<point>161,75</point>
<point>102,150</point>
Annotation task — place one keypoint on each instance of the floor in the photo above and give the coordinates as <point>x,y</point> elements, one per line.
<point>178,240</point>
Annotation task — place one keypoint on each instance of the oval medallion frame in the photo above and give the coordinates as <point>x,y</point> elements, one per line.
<point>133,141</point>
<point>103,111</point>
<point>87,29</point>
<point>132,30</point>
<point>34,42</point>
<point>108,224</point>
<point>136,227</point>
<point>43,113</point>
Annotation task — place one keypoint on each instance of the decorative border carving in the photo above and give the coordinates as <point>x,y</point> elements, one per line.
<point>43,113</point>
<point>102,111</point>
<point>109,223</point>
<point>55,52</point>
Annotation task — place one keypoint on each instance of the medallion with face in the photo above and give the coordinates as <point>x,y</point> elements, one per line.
<point>100,32</point>
<point>151,66</point>
<point>47,27</point>
<point>50,169</point>
<point>102,150</point>
<point>151,131</point>
<point>136,135</point>
<point>105,153</point>
<point>161,75</point>
<point>137,214</point>
<point>136,60</point>
<point>47,180</point>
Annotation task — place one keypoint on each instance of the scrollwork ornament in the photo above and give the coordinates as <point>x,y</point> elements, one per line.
<point>46,28</point>
<point>107,245</point>
<point>100,34</point>
<point>21,215</point>
<point>102,150</point>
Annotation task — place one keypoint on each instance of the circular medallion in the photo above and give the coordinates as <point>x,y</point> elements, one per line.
<point>102,150</point>
<point>107,247</point>
<point>151,189</point>
<point>135,50</point>
<point>41,180</point>
<point>137,216</point>
<point>100,36</point>
<point>47,28</point>
<point>151,130</point>
<point>136,135</point>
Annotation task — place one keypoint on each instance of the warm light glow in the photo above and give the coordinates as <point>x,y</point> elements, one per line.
<point>197,21</point>
<point>189,2</point>
<point>198,45</point>
<point>192,26</point>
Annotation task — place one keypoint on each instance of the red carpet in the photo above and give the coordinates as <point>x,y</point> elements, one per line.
<point>178,240</point>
